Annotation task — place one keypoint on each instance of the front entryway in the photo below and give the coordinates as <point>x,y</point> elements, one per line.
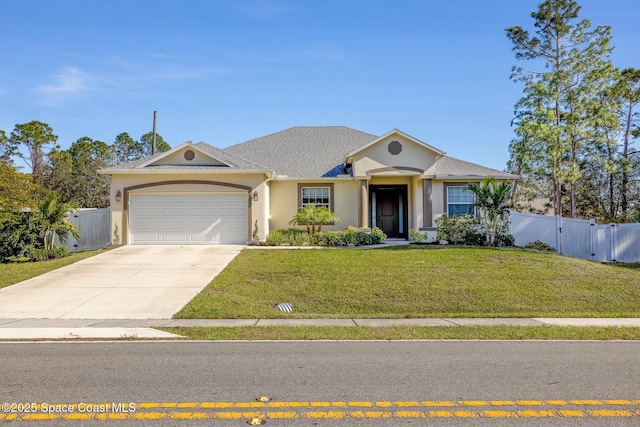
<point>389,209</point>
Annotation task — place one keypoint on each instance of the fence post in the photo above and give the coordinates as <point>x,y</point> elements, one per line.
<point>559,233</point>
<point>612,240</point>
<point>76,222</point>
<point>592,237</point>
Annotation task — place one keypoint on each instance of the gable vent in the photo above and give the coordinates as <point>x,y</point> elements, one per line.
<point>395,147</point>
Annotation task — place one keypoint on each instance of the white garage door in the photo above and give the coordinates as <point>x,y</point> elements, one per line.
<point>192,219</point>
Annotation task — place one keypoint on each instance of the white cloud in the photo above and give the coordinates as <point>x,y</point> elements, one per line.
<point>67,84</point>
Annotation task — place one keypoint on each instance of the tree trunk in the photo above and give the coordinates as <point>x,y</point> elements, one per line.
<point>624,204</point>
<point>612,206</point>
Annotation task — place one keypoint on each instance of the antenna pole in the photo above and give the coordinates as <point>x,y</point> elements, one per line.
<point>153,146</point>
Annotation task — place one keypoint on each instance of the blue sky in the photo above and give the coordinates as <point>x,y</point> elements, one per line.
<point>228,71</point>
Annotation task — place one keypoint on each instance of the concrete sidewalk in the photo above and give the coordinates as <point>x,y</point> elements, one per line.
<point>29,329</point>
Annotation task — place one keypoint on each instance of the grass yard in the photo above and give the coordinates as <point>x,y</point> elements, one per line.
<point>417,281</point>
<point>13,273</point>
<point>505,332</point>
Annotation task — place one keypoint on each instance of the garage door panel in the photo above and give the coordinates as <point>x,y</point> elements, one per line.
<point>188,219</point>
<point>146,198</point>
<point>174,211</point>
<point>146,237</point>
<point>150,211</point>
<point>204,212</point>
<point>176,198</point>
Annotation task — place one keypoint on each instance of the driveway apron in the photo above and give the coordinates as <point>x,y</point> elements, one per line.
<point>130,282</point>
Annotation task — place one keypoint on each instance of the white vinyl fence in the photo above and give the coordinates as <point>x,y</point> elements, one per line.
<point>94,226</point>
<point>578,238</point>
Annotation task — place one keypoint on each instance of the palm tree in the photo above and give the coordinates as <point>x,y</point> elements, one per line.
<point>52,218</point>
<point>312,216</point>
<point>493,201</point>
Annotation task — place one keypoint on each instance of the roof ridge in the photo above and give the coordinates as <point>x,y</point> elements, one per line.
<point>297,127</point>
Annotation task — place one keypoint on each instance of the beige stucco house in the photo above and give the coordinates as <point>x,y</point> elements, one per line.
<point>198,194</point>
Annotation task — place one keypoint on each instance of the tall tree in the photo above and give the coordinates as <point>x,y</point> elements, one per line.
<point>59,176</point>
<point>89,156</point>
<point>4,147</point>
<point>17,191</point>
<point>73,173</point>
<point>554,112</point>
<point>28,141</point>
<point>627,90</point>
<point>125,149</point>
<point>146,144</point>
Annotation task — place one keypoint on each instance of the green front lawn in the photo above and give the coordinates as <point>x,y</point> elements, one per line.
<point>417,281</point>
<point>14,273</point>
<point>502,332</point>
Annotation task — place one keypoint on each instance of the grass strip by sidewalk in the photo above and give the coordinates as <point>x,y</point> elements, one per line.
<point>417,282</point>
<point>502,332</point>
<point>11,274</point>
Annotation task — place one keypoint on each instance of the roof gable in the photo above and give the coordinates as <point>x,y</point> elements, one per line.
<point>185,154</point>
<point>188,156</point>
<point>399,133</point>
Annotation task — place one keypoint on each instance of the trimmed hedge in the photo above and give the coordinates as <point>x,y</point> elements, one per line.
<point>350,236</point>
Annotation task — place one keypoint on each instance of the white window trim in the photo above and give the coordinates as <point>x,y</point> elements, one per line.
<point>447,202</point>
<point>302,196</point>
<point>317,185</point>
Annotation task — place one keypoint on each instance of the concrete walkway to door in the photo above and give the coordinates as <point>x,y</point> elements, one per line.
<point>130,282</point>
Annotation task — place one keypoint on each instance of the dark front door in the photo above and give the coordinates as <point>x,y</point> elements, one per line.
<point>388,210</point>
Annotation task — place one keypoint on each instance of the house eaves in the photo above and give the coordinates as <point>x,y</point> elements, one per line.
<point>447,167</point>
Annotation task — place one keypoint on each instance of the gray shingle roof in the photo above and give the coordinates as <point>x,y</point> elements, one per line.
<point>130,165</point>
<point>308,151</point>
<point>450,166</point>
<point>303,151</point>
<point>226,157</point>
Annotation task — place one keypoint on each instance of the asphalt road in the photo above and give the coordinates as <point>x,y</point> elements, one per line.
<point>461,383</point>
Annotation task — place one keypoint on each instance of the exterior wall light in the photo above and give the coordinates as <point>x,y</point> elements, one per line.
<point>255,195</point>
<point>118,196</point>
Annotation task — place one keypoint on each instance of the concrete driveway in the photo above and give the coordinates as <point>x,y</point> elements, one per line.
<point>130,282</point>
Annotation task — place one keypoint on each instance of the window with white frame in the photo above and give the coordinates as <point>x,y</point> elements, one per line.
<point>315,196</point>
<point>460,201</point>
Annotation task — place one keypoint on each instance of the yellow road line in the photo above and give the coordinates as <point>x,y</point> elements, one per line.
<point>382,404</point>
<point>341,410</point>
<point>326,415</point>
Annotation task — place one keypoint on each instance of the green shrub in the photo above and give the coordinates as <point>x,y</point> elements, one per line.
<point>329,238</point>
<point>504,239</point>
<point>540,246</point>
<point>348,236</point>
<point>42,254</point>
<point>459,229</point>
<point>290,236</point>
<point>18,234</point>
<point>418,237</point>
<point>377,235</point>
